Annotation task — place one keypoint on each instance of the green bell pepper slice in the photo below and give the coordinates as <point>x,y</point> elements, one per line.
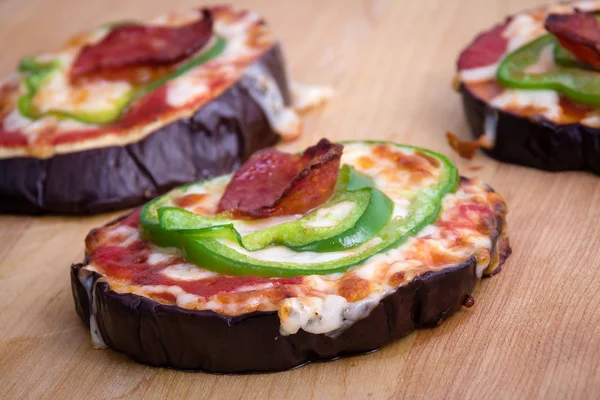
<point>294,233</point>
<point>370,212</point>
<point>220,255</point>
<point>149,223</point>
<point>371,222</point>
<point>580,85</point>
<point>149,216</point>
<point>38,73</point>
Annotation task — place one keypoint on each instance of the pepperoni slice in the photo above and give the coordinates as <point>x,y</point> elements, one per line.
<point>138,45</point>
<point>275,183</point>
<point>486,49</point>
<point>579,33</point>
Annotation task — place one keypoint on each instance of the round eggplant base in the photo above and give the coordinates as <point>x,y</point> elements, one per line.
<point>215,140</point>
<point>536,143</point>
<point>169,336</point>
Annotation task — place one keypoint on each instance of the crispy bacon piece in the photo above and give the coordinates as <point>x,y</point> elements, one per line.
<point>138,45</point>
<point>275,183</point>
<point>579,33</point>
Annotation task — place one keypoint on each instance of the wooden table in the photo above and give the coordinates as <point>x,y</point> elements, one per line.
<point>535,328</point>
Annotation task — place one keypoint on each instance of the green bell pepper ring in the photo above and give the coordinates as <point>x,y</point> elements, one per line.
<point>221,255</point>
<point>149,223</point>
<point>580,85</point>
<point>375,217</point>
<point>149,218</point>
<point>38,74</point>
<point>351,229</point>
<point>182,222</point>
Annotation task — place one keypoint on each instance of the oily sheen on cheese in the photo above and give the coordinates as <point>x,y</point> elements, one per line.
<point>521,29</point>
<point>318,304</point>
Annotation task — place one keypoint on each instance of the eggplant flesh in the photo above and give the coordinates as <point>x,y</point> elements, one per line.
<point>533,142</point>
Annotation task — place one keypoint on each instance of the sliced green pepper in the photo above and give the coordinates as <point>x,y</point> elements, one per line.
<point>149,222</point>
<point>371,222</point>
<point>38,73</point>
<point>149,218</point>
<point>227,257</point>
<point>213,52</point>
<point>294,233</point>
<point>370,212</point>
<point>580,85</point>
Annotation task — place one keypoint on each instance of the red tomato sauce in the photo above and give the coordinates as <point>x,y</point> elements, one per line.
<point>130,264</point>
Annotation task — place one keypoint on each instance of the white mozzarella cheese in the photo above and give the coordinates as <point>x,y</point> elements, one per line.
<point>547,101</point>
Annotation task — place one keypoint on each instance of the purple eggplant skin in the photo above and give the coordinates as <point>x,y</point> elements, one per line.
<point>169,336</point>
<point>220,136</point>
<point>536,143</point>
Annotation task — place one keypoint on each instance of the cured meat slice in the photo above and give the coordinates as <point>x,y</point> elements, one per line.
<point>276,183</point>
<point>139,45</point>
<point>579,33</point>
<point>486,49</point>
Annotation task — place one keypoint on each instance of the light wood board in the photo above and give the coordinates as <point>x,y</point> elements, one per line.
<point>535,329</point>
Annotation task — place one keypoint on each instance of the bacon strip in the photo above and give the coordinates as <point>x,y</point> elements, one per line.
<point>275,183</point>
<point>138,45</point>
<point>579,33</point>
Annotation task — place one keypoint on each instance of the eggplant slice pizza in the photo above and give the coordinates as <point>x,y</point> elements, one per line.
<point>531,88</point>
<point>293,258</point>
<point>128,111</point>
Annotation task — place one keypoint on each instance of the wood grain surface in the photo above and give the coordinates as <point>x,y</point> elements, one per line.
<point>535,329</point>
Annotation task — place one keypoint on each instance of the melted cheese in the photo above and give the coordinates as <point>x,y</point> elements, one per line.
<point>523,28</point>
<point>545,62</point>
<point>185,89</point>
<point>58,94</point>
<point>187,272</point>
<point>328,304</point>
<point>264,90</point>
<point>306,97</point>
<point>545,102</point>
<point>480,73</point>
<point>331,216</point>
<point>86,278</point>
